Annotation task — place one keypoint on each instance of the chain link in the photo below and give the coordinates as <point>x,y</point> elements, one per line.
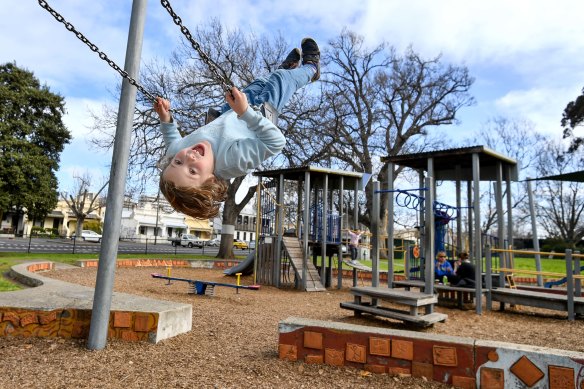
<point>104,56</point>
<point>223,80</point>
<point>95,49</point>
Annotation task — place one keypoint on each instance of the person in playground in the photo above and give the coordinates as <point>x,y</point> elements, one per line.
<point>354,237</point>
<point>464,271</point>
<point>443,268</point>
<point>195,169</point>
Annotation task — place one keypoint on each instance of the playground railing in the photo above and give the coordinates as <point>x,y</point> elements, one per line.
<point>572,277</point>
<point>527,252</point>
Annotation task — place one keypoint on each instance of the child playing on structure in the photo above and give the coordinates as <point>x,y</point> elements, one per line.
<point>195,169</point>
<point>354,244</point>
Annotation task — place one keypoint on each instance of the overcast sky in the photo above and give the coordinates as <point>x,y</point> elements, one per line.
<point>526,56</point>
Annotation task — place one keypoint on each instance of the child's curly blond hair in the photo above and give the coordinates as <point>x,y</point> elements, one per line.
<point>202,202</point>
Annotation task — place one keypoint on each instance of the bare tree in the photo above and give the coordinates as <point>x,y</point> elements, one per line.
<point>560,204</point>
<point>378,103</point>
<point>516,139</point>
<point>82,201</point>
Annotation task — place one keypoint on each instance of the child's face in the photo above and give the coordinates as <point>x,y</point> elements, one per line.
<point>191,166</point>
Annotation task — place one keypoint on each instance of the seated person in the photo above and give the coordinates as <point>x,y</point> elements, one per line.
<point>443,268</point>
<point>464,271</point>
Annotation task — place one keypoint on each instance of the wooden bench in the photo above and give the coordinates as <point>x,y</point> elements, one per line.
<point>412,300</point>
<point>557,302</point>
<point>407,284</point>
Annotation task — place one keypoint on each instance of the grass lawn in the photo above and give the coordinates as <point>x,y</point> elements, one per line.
<point>520,263</point>
<point>548,265</point>
<point>10,259</point>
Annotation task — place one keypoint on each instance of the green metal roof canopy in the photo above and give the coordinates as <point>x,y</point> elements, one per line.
<point>445,162</point>
<point>351,180</point>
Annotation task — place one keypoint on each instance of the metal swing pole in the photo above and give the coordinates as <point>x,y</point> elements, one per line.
<point>102,299</point>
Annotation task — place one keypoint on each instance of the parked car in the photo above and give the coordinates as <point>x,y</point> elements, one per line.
<point>89,236</point>
<point>239,244</point>
<point>174,240</point>
<point>188,240</point>
<point>214,242</point>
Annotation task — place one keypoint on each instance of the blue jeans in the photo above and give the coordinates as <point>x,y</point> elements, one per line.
<point>278,88</point>
<point>353,252</point>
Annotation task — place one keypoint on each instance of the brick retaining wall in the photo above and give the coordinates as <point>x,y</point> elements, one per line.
<point>457,361</point>
<point>74,323</point>
<point>53,308</point>
<point>125,263</point>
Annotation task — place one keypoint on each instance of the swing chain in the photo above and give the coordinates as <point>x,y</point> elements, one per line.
<point>95,49</point>
<point>104,57</point>
<point>224,81</point>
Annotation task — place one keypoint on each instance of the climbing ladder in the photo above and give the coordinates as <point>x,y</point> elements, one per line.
<point>510,277</point>
<point>296,254</point>
<point>510,280</point>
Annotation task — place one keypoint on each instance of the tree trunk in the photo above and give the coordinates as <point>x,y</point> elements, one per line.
<point>229,219</point>
<point>231,210</point>
<point>79,226</point>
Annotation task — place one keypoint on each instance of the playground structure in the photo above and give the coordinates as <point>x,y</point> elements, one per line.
<point>472,165</point>
<point>562,281</point>
<point>303,221</point>
<point>289,197</point>
<point>475,164</point>
<point>315,228</point>
<point>569,300</point>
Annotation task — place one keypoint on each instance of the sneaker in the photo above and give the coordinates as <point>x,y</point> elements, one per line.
<point>292,61</point>
<point>311,55</point>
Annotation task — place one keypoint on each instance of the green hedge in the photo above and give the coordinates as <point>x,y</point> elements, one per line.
<point>44,232</point>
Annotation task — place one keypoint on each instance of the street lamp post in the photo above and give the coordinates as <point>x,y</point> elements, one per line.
<point>157,214</point>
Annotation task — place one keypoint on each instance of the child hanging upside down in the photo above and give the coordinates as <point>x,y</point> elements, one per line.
<point>195,169</point>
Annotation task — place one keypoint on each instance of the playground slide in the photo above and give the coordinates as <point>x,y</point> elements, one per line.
<point>549,284</point>
<point>245,267</point>
<point>357,265</point>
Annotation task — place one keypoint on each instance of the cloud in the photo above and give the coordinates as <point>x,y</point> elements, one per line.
<point>496,30</point>
<point>543,106</point>
<point>525,54</point>
<point>78,119</point>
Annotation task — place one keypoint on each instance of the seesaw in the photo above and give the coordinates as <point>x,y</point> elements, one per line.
<point>205,287</point>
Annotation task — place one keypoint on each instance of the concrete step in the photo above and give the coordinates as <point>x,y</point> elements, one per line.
<point>56,308</point>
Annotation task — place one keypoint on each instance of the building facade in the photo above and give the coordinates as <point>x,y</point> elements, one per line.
<point>148,219</point>
<point>59,222</point>
<point>152,218</point>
